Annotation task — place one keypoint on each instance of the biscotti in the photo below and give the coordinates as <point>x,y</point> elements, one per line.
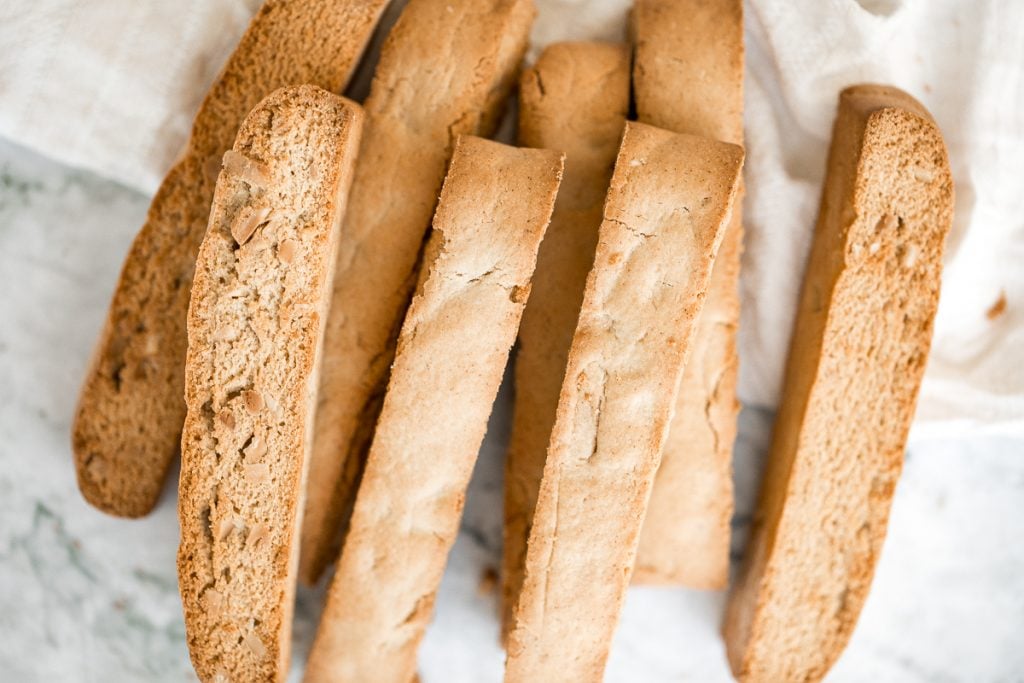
<point>454,343</point>
<point>857,355</point>
<point>445,70</point>
<point>688,77</point>
<point>259,298</point>
<point>127,427</point>
<point>664,218</point>
<point>575,100</point>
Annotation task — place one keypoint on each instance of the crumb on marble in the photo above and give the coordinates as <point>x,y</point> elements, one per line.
<point>488,581</point>
<point>998,308</point>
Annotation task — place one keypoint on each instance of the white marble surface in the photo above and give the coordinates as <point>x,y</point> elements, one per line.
<point>86,597</point>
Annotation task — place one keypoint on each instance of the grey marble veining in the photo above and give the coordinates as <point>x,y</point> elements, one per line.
<point>86,597</point>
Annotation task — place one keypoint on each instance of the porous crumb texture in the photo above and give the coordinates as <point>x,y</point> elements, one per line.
<point>574,100</point>
<point>664,218</point>
<point>452,350</point>
<point>445,69</point>
<point>858,352</point>
<point>128,422</point>
<point>260,294</point>
<point>688,78</point>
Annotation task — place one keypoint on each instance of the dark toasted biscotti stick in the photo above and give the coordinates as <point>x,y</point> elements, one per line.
<point>445,70</point>
<point>664,218</point>
<point>452,350</point>
<point>688,77</point>
<point>127,427</point>
<point>255,328</point>
<point>859,349</point>
<point>574,99</point>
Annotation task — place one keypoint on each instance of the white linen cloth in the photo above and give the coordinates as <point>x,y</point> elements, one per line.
<point>112,85</point>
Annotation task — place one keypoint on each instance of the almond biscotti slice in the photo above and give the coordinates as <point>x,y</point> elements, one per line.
<point>445,70</point>
<point>688,77</point>
<point>452,350</point>
<point>574,100</point>
<point>127,427</point>
<point>255,325</point>
<point>664,218</point>
<point>859,349</point>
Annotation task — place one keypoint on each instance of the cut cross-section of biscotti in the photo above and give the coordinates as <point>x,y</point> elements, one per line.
<point>445,70</point>
<point>688,77</point>
<point>574,100</point>
<point>452,350</point>
<point>127,427</point>
<point>664,217</point>
<point>260,295</point>
<point>859,348</point>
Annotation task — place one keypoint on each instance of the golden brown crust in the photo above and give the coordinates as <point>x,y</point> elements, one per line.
<point>856,359</point>
<point>688,77</point>
<point>452,350</point>
<point>128,422</point>
<point>667,208</point>
<point>260,292</point>
<point>574,99</point>
<point>445,70</point>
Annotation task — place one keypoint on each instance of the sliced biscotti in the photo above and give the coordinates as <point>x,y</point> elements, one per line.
<point>575,100</point>
<point>664,217</point>
<point>688,77</point>
<point>445,70</point>
<point>127,427</point>
<point>255,324</point>
<point>859,348</point>
<point>452,350</point>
